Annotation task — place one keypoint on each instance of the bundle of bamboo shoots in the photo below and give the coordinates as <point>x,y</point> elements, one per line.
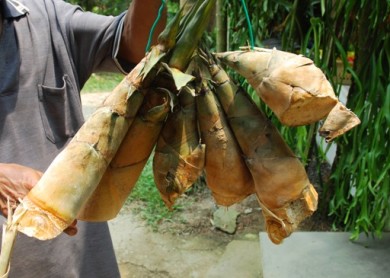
<point>282,187</point>
<point>181,102</point>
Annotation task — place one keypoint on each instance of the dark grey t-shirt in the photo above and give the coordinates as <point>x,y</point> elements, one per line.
<point>47,54</point>
<point>48,50</point>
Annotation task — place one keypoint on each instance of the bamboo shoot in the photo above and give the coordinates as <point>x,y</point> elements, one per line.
<point>291,85</point>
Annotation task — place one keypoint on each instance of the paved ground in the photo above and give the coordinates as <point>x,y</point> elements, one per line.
<point>326,255</point>
<point>142,253</point>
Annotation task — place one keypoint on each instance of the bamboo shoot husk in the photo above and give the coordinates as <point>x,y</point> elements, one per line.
<point>10,232</point>
<point>179,157</point>
<point>339,121</point>
<point>291,85</point>
<point>74,174</point>
<point>130,159</point>
<point>145,129</point>
<point>282,187</point>
<point>227,175</point>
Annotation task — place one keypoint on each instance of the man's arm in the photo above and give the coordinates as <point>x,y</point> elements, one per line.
<point>138,22</point>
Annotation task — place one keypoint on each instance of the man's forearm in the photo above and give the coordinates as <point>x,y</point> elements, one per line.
<point>138,22</point>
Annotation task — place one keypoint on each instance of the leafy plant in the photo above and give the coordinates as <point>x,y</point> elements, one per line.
<point>360,183</point>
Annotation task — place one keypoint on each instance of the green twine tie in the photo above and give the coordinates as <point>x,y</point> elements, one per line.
<point>249,24</point>
<point>163,2</point>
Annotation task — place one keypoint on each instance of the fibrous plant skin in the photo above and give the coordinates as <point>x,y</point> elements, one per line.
<point>282,187</point>
<point>226,173</point>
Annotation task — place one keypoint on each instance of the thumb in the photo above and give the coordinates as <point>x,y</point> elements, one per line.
<point>71,230</point>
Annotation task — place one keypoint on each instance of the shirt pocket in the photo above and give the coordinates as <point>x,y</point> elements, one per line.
<point>60,109</point>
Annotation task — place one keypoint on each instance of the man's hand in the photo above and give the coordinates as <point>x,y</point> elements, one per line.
<point>72,229</point>
<point>15,182</point>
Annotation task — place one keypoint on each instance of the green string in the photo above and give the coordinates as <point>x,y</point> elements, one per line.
<point>163,2</point>
<point>154,25</point>
<point>249,24</point>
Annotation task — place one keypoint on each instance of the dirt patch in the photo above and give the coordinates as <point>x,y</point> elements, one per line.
<point>196,217</point>
<point>188,245</point>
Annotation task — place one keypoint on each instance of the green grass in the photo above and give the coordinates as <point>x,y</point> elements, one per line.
<point>153,210</point>
<point>102,82</point>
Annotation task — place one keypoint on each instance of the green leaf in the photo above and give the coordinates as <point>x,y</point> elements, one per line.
<point>323,7</point>
<point>386,105</point>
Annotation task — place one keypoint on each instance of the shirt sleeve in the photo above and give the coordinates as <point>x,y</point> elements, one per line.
<point>93,40</point>
<point>124,66</point>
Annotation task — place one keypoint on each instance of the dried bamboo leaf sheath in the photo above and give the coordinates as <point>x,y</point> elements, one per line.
<point>291,85</point>
<point>130,159</point>
<point>7,244</point>
<point>179,157</point>
<point>74,174</point>
<point>227,175</point>
<point>283,189</point>
<point>338,122</point>
<point>142,136</point>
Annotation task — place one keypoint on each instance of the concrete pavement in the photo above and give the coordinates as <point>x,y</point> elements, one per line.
<point>325,254</point>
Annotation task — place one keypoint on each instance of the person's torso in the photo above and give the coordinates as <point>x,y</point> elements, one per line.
<point>40,106</point>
